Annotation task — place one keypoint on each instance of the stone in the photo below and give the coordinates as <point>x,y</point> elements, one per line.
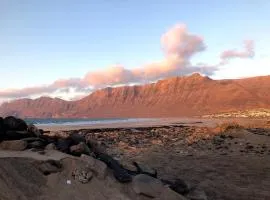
<point>145,169</point>
<point>14,145</point>
<point>168,194</point>
<point>63,145</point>
<point>33,129</point>
<point>249,146</point>
<point>97,166</point>
<point>77,138</point>
<point>147,185</point>
<point>196,193</point>
<point>80,149</point>
<point>82,175</point>
<point>16,135</point>
<point>50,146</point>
<point>13,123</point>
<point>36,144</point>
<point>119,172</point>
<point>95,146</point>
<point>1,125</point>
<point>178,185</point>
<point>32,139</point>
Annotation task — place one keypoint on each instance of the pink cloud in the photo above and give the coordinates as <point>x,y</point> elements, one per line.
<point>178,41</point>
<point>248,52</point>
<point>178,45</point>
<point>112,75</point>
<point>25,92</point>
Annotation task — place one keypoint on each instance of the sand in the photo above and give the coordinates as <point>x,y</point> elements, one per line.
<point>151,122</point>
<point>147,123</point>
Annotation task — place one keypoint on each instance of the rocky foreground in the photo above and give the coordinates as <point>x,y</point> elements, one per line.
<point>230,161</point>
<point>36,165</point>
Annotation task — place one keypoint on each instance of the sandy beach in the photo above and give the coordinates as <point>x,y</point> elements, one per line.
<point>151,122</point>
<point>154,122</point>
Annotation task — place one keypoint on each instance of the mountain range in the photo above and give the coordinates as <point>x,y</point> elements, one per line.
<point>193,95</point>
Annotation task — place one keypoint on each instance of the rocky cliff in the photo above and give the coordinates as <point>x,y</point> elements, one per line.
<point>178,96</point>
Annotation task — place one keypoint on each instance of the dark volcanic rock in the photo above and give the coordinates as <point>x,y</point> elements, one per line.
<point>13,123</point>
<point>178,186</point>
<point>79,149</point>
<point>36,144</point>
<point>197,193</point>
<point>2,128</point>
<point>77,138</point>
<point>33,129</point>
<point>63,145</point>
<point>16,135</point>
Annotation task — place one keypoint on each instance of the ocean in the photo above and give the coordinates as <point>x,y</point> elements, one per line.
<point>74,122</point>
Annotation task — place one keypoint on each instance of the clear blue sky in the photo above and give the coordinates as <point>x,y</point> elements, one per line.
<point>42,41</point>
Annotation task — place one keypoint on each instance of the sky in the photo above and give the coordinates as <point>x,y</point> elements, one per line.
<point>67,49</point>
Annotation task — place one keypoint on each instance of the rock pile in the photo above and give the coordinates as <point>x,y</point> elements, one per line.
<point>16,135</point>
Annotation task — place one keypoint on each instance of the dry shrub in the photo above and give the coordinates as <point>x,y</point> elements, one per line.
<point>203,133</point>
<point>227,126</point>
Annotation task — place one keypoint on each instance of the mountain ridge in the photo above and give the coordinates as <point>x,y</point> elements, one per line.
<point>173,97</point>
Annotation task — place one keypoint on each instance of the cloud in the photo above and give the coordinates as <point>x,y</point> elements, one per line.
<point>25,92</point>
<point>112,75</point>
<point>178,41</point>
<point>73,82</point>
<point>61,85</point>
<point>178,46</point>
<point>247,53</point>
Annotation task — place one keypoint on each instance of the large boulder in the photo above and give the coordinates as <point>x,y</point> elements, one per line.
<point>97,166</point>
<point>168,194</point>
<point>13,123</point>
<point>77,138</point>
<point>147,185</point>
<point>13,145</point>
<point>34,130</point>
<point>79,149</point>
<point>36,144</point>
<point>2,129</point>
<point>1,125</point>
<point>16,135</point>
<point>63,144</point>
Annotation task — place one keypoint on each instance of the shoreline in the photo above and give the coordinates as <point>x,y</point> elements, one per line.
<point>154,122</point>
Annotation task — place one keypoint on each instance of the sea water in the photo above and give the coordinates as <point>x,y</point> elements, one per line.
<point>83,121</point>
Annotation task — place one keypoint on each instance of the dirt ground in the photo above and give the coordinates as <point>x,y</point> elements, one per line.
<point>236,167</point>
<point>224,177</point>
<point>228,164</point>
